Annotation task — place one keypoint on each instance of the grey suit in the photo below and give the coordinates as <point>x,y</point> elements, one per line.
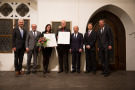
<point>33,49</point>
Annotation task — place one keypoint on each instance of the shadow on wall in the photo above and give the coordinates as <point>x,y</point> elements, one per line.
<point>53,63</point>
<point>82,61</point>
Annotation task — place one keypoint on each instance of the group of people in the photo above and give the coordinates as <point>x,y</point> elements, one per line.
<point>23,41</point>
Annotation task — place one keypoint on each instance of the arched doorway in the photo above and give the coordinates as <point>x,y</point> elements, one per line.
<point>118,53</point>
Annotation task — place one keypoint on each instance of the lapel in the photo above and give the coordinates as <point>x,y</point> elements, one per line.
<point>78,35</point>
<point>31,33</point>
<point>18,30</point>
<point>88,33</point>
<point>37,34</point>
<point>103,30</point>
<point>23,32</point>
<point>100,32</point>
<point>74,36</point>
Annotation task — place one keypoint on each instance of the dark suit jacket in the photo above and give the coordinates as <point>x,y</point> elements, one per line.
<point>17,40</point>
<point>76,43</point>
<point>31,41</point>
<point>105,39</point>
<point>90,40</point>
<point>60,46</point>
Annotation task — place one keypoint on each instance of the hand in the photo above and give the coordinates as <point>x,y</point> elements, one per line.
<point>80,50</point>
<point>70,50</point>
<point>14,49</point>
<point>88,47</point>
<point>27,49</point>
<point>110,47</point>
<point>57,37</point>
<point>98,49</point>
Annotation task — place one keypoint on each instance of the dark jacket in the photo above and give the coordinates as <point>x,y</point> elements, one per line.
<point>76,43</point>
<point>17,40</point>
<point>90,40</point>
<point>105,39</point>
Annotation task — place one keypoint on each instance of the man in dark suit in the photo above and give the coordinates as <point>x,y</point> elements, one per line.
<point>104,40</point>
<point>63,49</point>
<point>76,46</point>
<point>18,44</point>
<point>32,48</point>
<point>89,41</point>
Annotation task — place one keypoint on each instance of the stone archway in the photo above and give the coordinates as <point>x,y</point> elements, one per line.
<point>112,14</point>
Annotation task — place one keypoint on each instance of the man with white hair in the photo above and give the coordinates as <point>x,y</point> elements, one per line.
<point>63,49</point>
<point>32,48</point>
<point>18,44</point>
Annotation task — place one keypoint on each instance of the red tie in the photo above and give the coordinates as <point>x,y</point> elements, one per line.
<point>63,30</point>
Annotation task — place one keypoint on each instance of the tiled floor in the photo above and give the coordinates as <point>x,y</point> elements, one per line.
<point>119,80</point>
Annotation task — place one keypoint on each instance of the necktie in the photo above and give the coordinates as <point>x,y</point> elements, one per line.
<point>22,33</point>
<point>101,30</point>
<point>75,36</point>
<point>34,35</point>
<point>89,33</point>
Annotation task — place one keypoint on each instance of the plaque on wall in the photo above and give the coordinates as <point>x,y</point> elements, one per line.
<point>57,24</point>
<point>26,24</point>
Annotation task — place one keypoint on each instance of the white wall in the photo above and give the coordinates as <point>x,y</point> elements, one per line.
<point>79,12</point>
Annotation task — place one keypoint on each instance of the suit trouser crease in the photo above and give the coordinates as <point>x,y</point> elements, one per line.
<point>33,52</point>
<point>105,60</point>
<point>63,58</point>
<point>18,54</point>
<point>90,61</point>
<point>75,60</point>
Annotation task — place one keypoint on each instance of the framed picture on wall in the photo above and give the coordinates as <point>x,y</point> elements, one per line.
<point>57,24</point>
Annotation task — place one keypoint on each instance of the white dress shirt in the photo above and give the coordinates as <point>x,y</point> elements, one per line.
<point>75,34</point>
<point>102,29</point>
<point>35,33</point>
<point>21,31</point>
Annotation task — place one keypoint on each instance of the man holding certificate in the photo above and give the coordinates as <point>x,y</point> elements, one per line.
<point>76,47</point>
<point>63,46</point>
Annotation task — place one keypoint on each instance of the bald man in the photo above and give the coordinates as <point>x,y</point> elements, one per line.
<point>18,44</point>
<point>76,46</point>
<point>63,50</point>
<point>31,48</point>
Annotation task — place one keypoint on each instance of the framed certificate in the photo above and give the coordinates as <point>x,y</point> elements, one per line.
<point>52,40</point>
<point>64,38</point>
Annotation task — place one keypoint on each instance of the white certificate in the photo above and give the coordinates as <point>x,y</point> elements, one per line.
<point>52,40</point>
<point>64,38</point>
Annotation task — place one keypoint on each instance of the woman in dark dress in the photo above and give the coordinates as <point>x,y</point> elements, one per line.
<point>46,50</point>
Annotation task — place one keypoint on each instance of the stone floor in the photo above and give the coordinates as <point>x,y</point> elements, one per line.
<point>119,80</point>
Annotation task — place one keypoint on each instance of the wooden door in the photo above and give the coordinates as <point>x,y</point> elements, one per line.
<point>117,55</point>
